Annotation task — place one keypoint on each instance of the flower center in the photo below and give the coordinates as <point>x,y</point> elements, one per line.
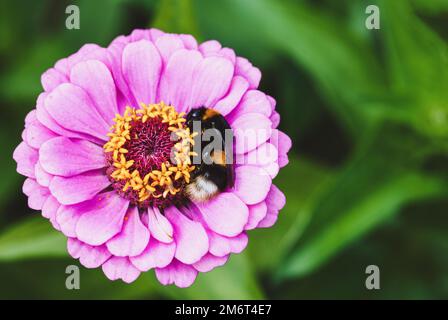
<point>148,155</point>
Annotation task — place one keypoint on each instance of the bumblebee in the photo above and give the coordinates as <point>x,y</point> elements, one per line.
<point>214,171</point>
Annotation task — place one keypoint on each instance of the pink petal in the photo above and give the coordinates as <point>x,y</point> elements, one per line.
<point>42,177</point>
<point>155,33</point>
<point>124,94</point>
<point>177,273</point>
<point>225,214</point>
<point>156,255</point>
<point>139,34</point>
<point>210,46</point>
<point>228,54</point>
<point>253,101</point>
<point>23,135</point>
<point>250,130</point>
<point>65,157</point>
<point>141,69</point>
<point>132,239</point>
<point>36,134</point>
<point>210,262</point>
<point>95,78</point>
<point>67,217</point>
<point>90,257</point>
<point>189,41</point>
<point>74,247</point>
<point>26,158</point>
<point>238,87</point>
<point>55,224</point>
<point>50,208</point>
<point>51,78</point>
<point>45,118</point>
<point>190,237</point>
<point>221,246</point>
<point>283,144</point>
<point>121,39</point>
<point>102,218</point>
<point>159,226</point>
<point>251,184</point>
<point>31,118</point>
<point>257,212</point>
<point>275,119</point>
<point>272,102</point>
<point>211,81</point>
<point>73,109</point>
<point>269,220</point>
<point>261,156</point>
<point>213,48</point>
<point>120,268</point>
<point>167,45</point>
<point>272,169</point>
<point>79,188</point>
<point>244,68</point>
<point>37,195</point>
<point>29,185</point>
<point>175,83</point>
<point>88,51</point>
<point>62,66</point>
<point>275,201</point>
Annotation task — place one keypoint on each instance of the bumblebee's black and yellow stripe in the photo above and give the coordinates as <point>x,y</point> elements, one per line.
<point>215,173</point>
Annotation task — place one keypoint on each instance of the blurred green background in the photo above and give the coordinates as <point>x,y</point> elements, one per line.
<point>368,114</point>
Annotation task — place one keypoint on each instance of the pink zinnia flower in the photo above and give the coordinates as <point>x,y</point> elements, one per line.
<point>98,171</point>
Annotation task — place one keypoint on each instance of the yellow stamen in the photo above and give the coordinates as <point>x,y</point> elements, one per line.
<point>161,180</point>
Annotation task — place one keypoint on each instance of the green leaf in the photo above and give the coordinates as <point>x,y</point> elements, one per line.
<point>343,65</point>
<point>21,81</point>
<point>418,65</point>
<point>95,30</point>
<point>176,16</point>
<point>417,55</point>
<point>35,238</point>
<point>369,190</point>
<point>268,246</point>
<point>45,279</point>
<point>433,6</point>
<point>364,215</point>
<point>32,238</point>
<point>10,178</point>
